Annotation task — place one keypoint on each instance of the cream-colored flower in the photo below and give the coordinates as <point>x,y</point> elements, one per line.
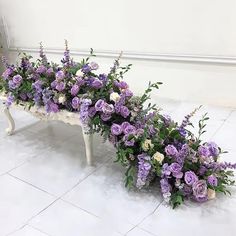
<point>115,97</point>
<point>147,144</point>
<point>211,194</point>
<point>62,99</point>
<point>79,73</point>
<point>158,157</point>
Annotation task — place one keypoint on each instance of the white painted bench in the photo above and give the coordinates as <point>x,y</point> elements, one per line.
<point>71,118</point>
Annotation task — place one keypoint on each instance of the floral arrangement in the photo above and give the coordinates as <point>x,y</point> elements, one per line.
<point>152,147</point>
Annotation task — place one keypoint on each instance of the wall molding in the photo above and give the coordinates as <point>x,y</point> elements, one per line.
<point>145,56</point>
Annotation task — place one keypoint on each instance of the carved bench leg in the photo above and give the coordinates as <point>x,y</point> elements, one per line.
<point>88,141</point>
<point>11,123</point>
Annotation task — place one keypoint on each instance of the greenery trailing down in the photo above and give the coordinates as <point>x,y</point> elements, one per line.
<point>150,145</point>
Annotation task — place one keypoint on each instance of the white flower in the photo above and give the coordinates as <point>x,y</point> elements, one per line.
<point>159,157</point>
<point>115,97</point>
<point>62,99</point>
<point>147,145</point>
<point>79,73</point>
<point>211,194</point>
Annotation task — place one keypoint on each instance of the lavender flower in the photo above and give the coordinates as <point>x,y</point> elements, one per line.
<point>51,107</point>
<point>165,170</point>
<point>213,148</point>
<point>92,111</point>
<point>203,151</point>
<point>144,168</point>
<point>96,84</point>
<point>212,180</point>
<point>200,190</point>
<point>130,129</point>
<point>108,108</point>
<point>124,111</point>
<point>86,68</point>
<point>60,86</point>
<point>129,140</point>
<point>190,178</point>
<point>7,73</point>
<point>165,186</point>
<point>10,100</point>
<point>93,65</point>
<point>60,75</point>
<point>105,117</point>
<point>41,69</point>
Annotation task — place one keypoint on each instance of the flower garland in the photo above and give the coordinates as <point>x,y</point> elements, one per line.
<point>152,147</point>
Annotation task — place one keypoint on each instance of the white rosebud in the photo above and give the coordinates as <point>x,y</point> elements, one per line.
<point>211,194</point>
<point>79,73</point>
<point>115,97</point>
<point>62,99</point>
<point>147,144</point>
<point>158,157</point>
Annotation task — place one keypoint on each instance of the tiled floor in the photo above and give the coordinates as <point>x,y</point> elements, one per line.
<point>46,188</point>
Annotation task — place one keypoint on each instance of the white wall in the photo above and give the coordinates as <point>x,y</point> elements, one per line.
<point>203,27</point>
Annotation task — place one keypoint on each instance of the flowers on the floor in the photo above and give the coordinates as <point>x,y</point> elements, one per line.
<point>154,149</point>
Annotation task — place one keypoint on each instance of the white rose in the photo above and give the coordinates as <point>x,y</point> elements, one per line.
<point>79,73</point>
<point>211,194</point>
<point>115,97</point>
<point>158,157</point>
<point>62,99</point>
<point>147,145</point>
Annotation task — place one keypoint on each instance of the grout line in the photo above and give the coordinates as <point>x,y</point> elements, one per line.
<point>33,227</point>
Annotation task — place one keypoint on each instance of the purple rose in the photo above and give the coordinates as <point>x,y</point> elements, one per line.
<point>190,178</point>
<point>105,117</point>
<point>74,90</point>
<point>200,190</point>
<point>202,170</point>
<point>175,169</point>
<point>41,69</point>
<point>54,84</point>
<point>165,170</point>
<point>7,73</point>
<point>86,68</point>
<point>17,79</point>
<point>124,125</point>
<point>92,111</point>
<point>103,78</point>
<point>127,93</point>
<point>121,84</point>
<point>129,140</point>
<point>212,180</point>
<point>23,96</point>
<point>12,85</point>
<point>60,86</point>
<point>139,132</point>
<point>93,65</point>
<point>213,148</point>
<point>60,75</point>
<point>51,107</point>
<point>108,108</point>
<point>116,129</point>
<point>124,111</point>
<point>97,84</point>
<point>49,71</point>
<point>75,102</point>
<point>203,151</point>
<point>171,150</point>
<point>99,105</point>
<point>130,129</point>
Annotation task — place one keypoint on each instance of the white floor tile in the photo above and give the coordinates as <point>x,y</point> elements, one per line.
<point>63,219</point>
<point>18,203</point>
<point>28,231</point>
<point>58,170</point>
<point>105,195</point>
<point>139,232</point>
<point>214,218</point>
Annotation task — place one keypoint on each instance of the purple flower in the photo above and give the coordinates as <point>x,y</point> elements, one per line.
<point>7,73</point>
<point>75,102</point>
<point>86,68</point>
<point>144,168</point>
<point>200,190</point>
<point>92,111</point>
<point>127,93</point>
<point>99,105</point>
<point>74,90</point>
<point>130,129</point>
<point>213,148</point>
<point>105,117</point>
<point>175,169</point>
<point>212,180</point>
<point>129,140</point>
<point>165,186</point>
<point>190,178</point>
<point>139,132</point>
<point>93,65</point>
<point>97,84</point>
<point>41,69</point>
<point>37,85</point>
<point>124,125</point>
<point>60,75</point>
<point>60,86</point>
<point>116,129</point>
<point>51,107</point>
<point>166,119</point>
<point>165,170</point>
<point>171,150</point>
<point>124,111</point>
<point>103,78</point>
<point>49,71</point>
<point>121,84</point>
<point>10,100</point>
<point>23,96</point>
<point>108,108</point>
<point>202,170</point>
<point>12,85</point>
<point>17,79</point>
<point>203,151</point>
